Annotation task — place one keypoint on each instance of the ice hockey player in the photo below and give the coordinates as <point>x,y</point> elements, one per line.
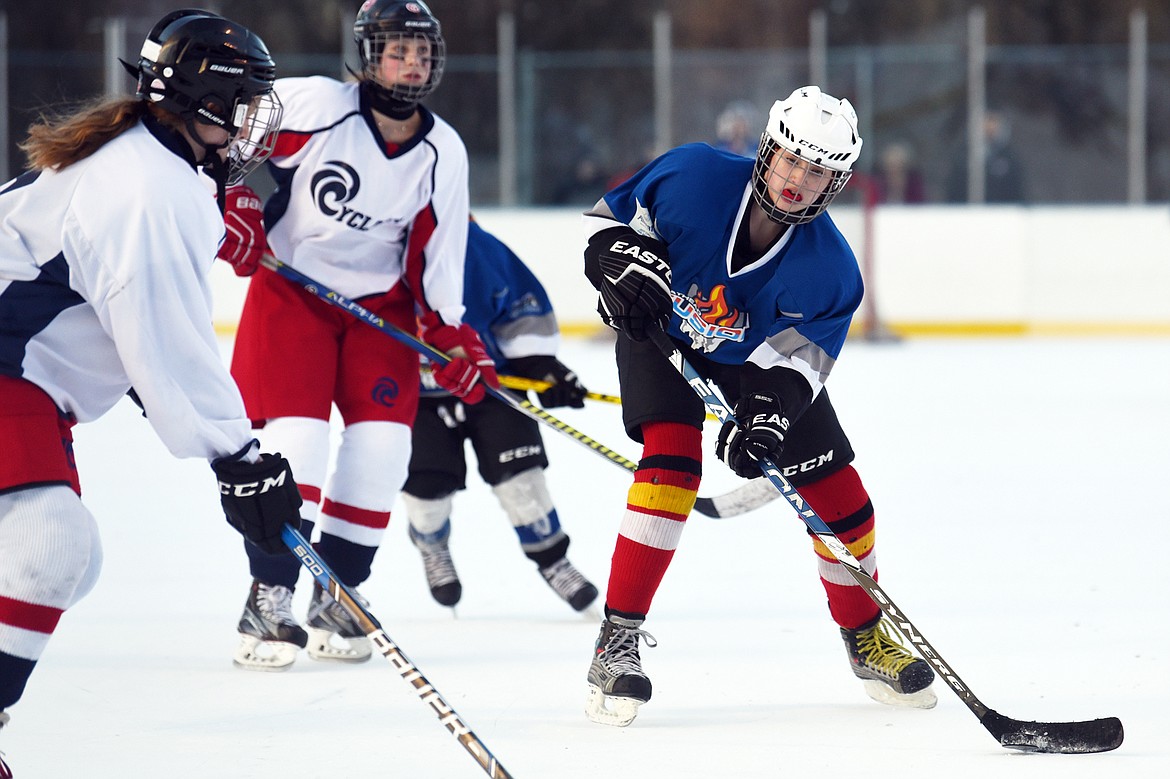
<point>738,260</point>
<point>510,310</point>
<point>104,256</point>
<point>372,200</point>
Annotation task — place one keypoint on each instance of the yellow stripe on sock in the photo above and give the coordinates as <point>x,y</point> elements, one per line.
<point>858,548</point>
<point>662,498</point>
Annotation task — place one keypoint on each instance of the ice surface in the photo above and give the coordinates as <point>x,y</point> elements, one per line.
<point>1022,510</point>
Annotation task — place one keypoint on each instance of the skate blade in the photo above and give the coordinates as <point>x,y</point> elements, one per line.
<point>255,655</point>
<point>351,650</point>
<point>610,709</point>
<point>884,693</point>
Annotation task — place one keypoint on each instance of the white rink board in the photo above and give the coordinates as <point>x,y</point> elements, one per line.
<point>1029,267</point>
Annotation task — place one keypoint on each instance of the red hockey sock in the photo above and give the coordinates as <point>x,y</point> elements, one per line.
<point>841,500</point>
<point>662,495</point>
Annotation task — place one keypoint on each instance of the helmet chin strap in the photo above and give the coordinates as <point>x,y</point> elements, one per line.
<point>215,166</point>
<point>384,103</point>
<point>217,169</point>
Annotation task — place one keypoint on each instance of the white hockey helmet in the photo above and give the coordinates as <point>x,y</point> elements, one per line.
<point>817,128</point>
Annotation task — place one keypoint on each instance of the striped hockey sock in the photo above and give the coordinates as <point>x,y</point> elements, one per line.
<point>841,500</point>
<point>662,495</point>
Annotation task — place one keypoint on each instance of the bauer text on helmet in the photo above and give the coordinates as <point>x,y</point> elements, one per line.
<point>209,70</point>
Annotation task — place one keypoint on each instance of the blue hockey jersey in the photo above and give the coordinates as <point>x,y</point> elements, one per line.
<point>792,307</point>
<point>505,303</point>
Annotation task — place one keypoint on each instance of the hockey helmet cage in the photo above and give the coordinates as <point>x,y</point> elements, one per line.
<point>817,128</point>
<point>381,22</point>
<point>205,68</point>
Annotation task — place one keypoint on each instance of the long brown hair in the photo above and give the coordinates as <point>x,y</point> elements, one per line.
<point>59,139</point>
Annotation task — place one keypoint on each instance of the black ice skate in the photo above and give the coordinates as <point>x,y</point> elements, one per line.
<point>617,685</point>
<point>269,634</point>
<point>568,582</point>
<point>440,569</point>
<point>891,674</point>
<point>327,619</point>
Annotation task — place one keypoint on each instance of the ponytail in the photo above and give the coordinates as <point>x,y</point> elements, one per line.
<point>58,140</point>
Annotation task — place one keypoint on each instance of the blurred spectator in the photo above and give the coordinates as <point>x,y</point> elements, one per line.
<point>737,129</point>
<point>896,179</point>
<point>570,162</point>
<point>1004,173</point>
<point>582,184</point>
<point>632,166</point>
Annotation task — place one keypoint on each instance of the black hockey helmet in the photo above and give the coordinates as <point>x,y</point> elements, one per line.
<point>205,68</point>
<point>378,23</point>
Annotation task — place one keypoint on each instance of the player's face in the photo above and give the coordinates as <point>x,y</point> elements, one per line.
<point>794,183</point>
<point>406,61</point>
<point>213,136</point>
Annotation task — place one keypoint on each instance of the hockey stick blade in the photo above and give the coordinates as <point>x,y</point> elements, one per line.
<point>1068,738</point>
<point>741,500</point>
<point>1100,735</point>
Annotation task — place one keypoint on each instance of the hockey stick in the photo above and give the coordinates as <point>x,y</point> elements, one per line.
<point>425,349</point>
<point>536,385</point>
<point>741,500</point>
<point>406,669</point>
<point>438,357</point>
<point>1099,735</point>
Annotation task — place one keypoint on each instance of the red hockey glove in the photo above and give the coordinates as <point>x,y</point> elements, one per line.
<point>243,219</point>
<point>469,362</point>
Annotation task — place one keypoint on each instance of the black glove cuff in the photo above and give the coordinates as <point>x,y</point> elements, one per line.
<point>236,456</point>
<point>542,367</point>
<point>791,388</point>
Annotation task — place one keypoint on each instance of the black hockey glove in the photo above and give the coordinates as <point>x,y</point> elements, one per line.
<point>632,276</point>
<point>259,498</point>
<point>566,389</point>
<point>762,434</point>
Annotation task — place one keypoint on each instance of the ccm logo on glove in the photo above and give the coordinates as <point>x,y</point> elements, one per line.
<point>259,498</point>
<point>253,488</point>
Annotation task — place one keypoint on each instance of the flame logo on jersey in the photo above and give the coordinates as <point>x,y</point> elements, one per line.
<point>707,319</point>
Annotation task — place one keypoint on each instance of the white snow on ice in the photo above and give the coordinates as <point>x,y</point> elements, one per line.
<point>1022,511</point>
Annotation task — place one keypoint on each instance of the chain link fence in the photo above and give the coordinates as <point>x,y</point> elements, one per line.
<point>1056,124</point>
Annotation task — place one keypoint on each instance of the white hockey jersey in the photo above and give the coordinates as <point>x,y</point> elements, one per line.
<point>103,287</point>
<point>360,216</point>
